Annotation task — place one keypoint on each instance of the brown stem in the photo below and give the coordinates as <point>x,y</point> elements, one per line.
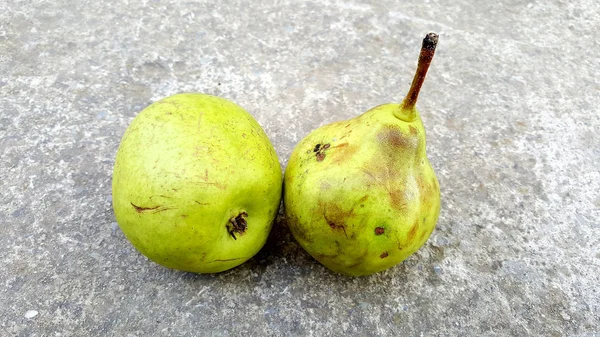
<point>427,50</point>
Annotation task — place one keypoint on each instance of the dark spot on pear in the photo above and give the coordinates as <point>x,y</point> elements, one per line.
<point>379,230</point>
<point>337,227</point>
<point>384,255</point>
<point>320,151</point>
<point>237,224</point>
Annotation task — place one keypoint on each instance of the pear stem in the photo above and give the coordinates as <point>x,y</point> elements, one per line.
<point>427,50</point>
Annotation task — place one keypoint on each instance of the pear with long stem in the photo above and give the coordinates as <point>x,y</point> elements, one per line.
<point>360,195</point>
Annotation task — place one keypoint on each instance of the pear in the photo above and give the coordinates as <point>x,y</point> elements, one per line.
<point>360,195</point>
<point>196,183</point>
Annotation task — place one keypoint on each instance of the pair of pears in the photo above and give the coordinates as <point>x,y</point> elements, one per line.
<point>197,185</point>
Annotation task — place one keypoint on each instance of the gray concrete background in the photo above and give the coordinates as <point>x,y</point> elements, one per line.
<point>511,111</point>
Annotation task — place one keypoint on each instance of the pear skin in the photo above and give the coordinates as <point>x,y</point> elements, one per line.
<point>196,183</point>
<point>360,195</point>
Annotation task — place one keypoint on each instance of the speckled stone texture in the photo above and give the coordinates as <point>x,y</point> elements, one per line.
<point>511,110</point>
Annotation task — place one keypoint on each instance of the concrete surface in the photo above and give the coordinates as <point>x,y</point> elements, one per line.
<point>511,110</point>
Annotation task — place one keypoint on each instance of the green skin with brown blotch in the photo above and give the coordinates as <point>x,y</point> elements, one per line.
<point>360,195</point>
<point>196,183</point>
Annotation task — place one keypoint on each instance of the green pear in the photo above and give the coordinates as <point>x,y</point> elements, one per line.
<point>360,195</point>
<point>196,183</point>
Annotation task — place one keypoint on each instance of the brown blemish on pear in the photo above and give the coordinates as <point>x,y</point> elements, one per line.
<point>340,145</point>
<point>413,131</point>
<point>343,154</point>
<point>391,138</point>
<point>397,199</point>
<point>335,226</point>
<point>320,151</point>
<point>335,212</point>
<point>143,209</point>
<point>335,217</point>
<point>155,209</point>
<point>387,175</point>
<point>413,231</point>
<point>426,190</point>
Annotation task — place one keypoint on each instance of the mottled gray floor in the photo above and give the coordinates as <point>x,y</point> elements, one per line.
<point>511,110</point>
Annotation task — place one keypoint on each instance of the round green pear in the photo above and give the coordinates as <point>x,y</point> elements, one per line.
<point>360,195</point>
<point>196,183</point>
